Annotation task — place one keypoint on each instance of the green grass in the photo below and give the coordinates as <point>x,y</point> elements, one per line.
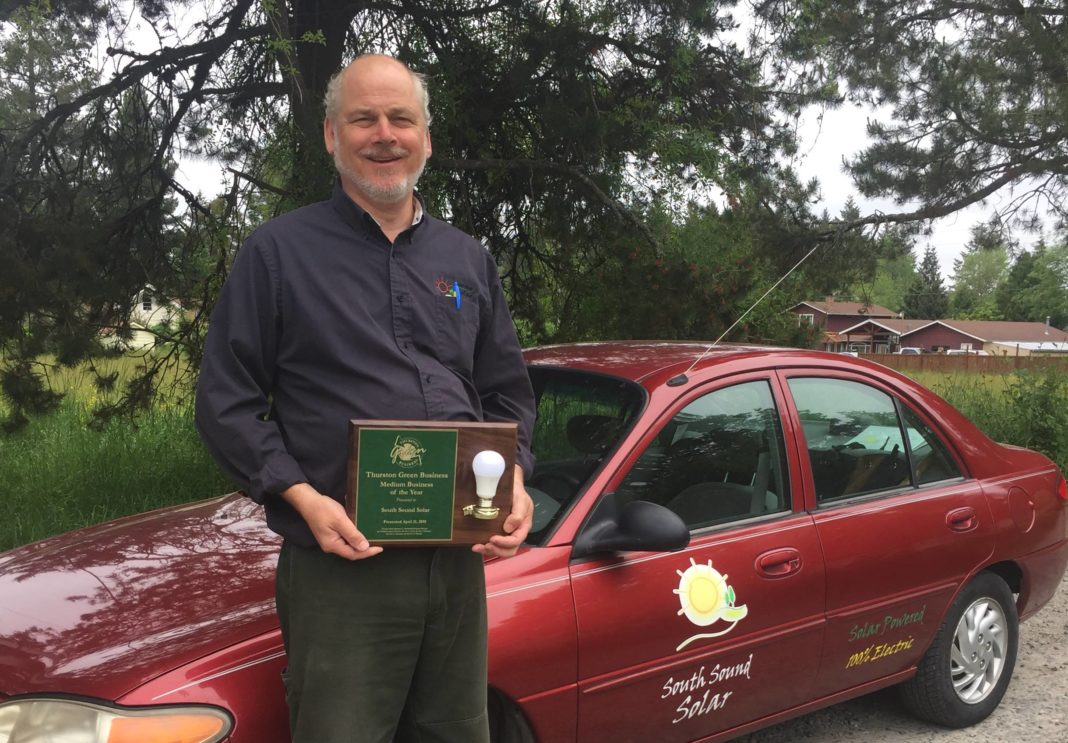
<point>59,474</point>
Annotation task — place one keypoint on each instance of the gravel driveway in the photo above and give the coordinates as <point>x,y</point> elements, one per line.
<point>1035,709</point>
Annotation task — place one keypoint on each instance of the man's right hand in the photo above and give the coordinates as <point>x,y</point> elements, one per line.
<point>331,526</point>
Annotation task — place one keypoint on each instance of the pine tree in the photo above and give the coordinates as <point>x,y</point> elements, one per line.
<point>927,299</point>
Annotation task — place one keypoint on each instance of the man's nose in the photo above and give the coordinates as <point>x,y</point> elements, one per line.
<point>384,130</point>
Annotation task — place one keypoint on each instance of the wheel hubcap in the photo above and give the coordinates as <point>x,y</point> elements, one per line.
<point>979,647</point>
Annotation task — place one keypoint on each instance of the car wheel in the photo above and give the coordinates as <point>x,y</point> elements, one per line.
<point>967,669</point>
<point>507,723</point>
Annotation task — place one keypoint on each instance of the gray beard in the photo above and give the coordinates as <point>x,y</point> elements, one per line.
<point>386,195</point>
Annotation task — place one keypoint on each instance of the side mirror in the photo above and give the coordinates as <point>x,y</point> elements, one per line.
<point>638,525</point>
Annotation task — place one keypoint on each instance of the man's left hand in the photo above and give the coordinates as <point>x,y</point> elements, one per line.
<point>516,526</point>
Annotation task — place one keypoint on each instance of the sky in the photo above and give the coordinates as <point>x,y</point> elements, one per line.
<point>842,133</point>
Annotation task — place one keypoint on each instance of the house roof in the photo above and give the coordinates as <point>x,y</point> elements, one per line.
<point>847,308</point>
<point>1004,331</point>
<point>894,325</point>
<point>1048,347</point>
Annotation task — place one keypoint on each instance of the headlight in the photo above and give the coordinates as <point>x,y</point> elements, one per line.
<point>69,721</point>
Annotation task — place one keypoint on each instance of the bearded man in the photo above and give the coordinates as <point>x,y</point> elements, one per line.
<point>365,306</point>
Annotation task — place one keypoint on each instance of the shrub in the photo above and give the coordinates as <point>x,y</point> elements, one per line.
<point>1027,408</point>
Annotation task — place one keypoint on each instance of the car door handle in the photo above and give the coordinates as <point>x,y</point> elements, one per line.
<point>779,563</point>
<point>962,519</point>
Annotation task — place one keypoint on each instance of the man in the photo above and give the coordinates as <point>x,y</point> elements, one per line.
<point>364,306</point>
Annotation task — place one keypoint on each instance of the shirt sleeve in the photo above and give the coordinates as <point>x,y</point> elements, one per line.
<point>500,374</point>
<point>234,387</point>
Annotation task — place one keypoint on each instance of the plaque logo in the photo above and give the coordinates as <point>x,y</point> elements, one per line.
<point>407,452</point>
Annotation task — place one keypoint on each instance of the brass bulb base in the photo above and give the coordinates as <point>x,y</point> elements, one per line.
<point>483,510</point>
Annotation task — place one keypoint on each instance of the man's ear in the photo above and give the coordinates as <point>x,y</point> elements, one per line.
<point>429,149</point>
<point>328,134</point>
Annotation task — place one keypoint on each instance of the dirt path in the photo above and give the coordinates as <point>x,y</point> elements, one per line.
<point>1035,709</point>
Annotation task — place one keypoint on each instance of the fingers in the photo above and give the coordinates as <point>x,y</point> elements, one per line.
<point>501,546</point>
<point>522,513</point>
<point>516,528</point>
<point>347,551</point>
<point>333,529</point>
<point>342,538</point>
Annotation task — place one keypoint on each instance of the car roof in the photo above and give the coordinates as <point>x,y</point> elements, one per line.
<point>637,360</point>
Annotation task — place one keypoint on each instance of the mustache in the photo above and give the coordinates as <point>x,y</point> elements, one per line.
<point>384,153</point>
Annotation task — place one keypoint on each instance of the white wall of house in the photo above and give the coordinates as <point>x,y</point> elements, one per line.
<point>147,312</point>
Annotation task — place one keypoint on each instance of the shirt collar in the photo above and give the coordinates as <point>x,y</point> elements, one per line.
<point>355,215</point>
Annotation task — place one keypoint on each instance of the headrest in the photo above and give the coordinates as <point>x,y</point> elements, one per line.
<point>592,434</point>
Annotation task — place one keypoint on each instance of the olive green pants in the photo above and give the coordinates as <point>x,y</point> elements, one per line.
<point>391,648</point>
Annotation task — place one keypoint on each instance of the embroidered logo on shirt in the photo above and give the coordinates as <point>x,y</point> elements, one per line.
<point>447,288</point>
<point>453,291</point>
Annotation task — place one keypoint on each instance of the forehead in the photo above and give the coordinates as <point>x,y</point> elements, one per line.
<point>378,84</point>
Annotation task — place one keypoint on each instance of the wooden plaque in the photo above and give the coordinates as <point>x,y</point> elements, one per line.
<point>410,481</point>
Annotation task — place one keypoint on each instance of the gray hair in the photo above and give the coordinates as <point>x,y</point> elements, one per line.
<point>332,98</point>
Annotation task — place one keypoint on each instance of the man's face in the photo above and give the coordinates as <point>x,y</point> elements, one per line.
<point>379,140</point>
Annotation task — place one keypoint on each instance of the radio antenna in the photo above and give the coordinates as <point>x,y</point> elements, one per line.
<point>682,378</point>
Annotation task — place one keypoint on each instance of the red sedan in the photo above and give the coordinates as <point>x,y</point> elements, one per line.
<point>722,540</point>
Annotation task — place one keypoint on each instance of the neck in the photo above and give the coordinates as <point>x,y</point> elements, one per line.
<point>392,217</point>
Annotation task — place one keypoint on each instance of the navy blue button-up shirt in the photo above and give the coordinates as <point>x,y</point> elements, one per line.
<point>323,320</point>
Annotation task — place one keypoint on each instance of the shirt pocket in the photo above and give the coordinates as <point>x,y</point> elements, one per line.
<point>457,330</point>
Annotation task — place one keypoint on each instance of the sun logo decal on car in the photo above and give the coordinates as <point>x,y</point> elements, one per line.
<point>707,598</point>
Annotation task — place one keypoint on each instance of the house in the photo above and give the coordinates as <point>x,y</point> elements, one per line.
<point>147,311</point>
<point>995,337</point>
<point>834,317</point>
<point>884,335</point>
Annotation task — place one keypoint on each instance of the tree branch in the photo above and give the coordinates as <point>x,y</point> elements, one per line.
<point>619,209</point>
<point>179,57</point>
<point>264,185</point>
<point>936,210</point>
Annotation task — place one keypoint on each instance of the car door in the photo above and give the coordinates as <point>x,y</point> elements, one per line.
<point>899,524</point>
<point>675,646</point>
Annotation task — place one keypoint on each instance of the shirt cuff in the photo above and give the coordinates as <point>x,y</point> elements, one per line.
<point>525,459</point>
<point>280,473</point>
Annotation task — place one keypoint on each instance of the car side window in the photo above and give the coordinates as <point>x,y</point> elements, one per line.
<point>930,458</point>
<point>720,459</point>
<point>858,444</point>
<point>854,440</point>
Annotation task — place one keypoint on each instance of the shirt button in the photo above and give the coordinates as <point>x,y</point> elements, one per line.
<point>428,378</point>
<point>401,299</point>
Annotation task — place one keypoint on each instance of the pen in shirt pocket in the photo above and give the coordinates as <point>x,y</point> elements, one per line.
<point>456,291</point>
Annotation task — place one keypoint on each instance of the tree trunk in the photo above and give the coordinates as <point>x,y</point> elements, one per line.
<point>307,66</point>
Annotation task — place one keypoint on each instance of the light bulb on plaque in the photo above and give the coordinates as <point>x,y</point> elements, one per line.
<point>488,467</point>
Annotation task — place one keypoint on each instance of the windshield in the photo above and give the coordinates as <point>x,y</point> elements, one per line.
<point>581,418</point>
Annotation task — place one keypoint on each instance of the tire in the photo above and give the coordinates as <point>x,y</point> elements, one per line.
<point>964,674</point>
<point>507,724</point>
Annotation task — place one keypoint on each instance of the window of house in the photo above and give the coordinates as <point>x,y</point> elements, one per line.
<point>807,319</point>
<point>146,302</point>
<point>719,459</point>
<point>858,443</point>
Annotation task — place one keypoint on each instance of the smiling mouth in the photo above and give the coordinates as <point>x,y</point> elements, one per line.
<point>384,156</point>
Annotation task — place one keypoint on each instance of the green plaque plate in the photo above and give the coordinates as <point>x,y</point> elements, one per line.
<point>412,483</point>
<point>405,484</point>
